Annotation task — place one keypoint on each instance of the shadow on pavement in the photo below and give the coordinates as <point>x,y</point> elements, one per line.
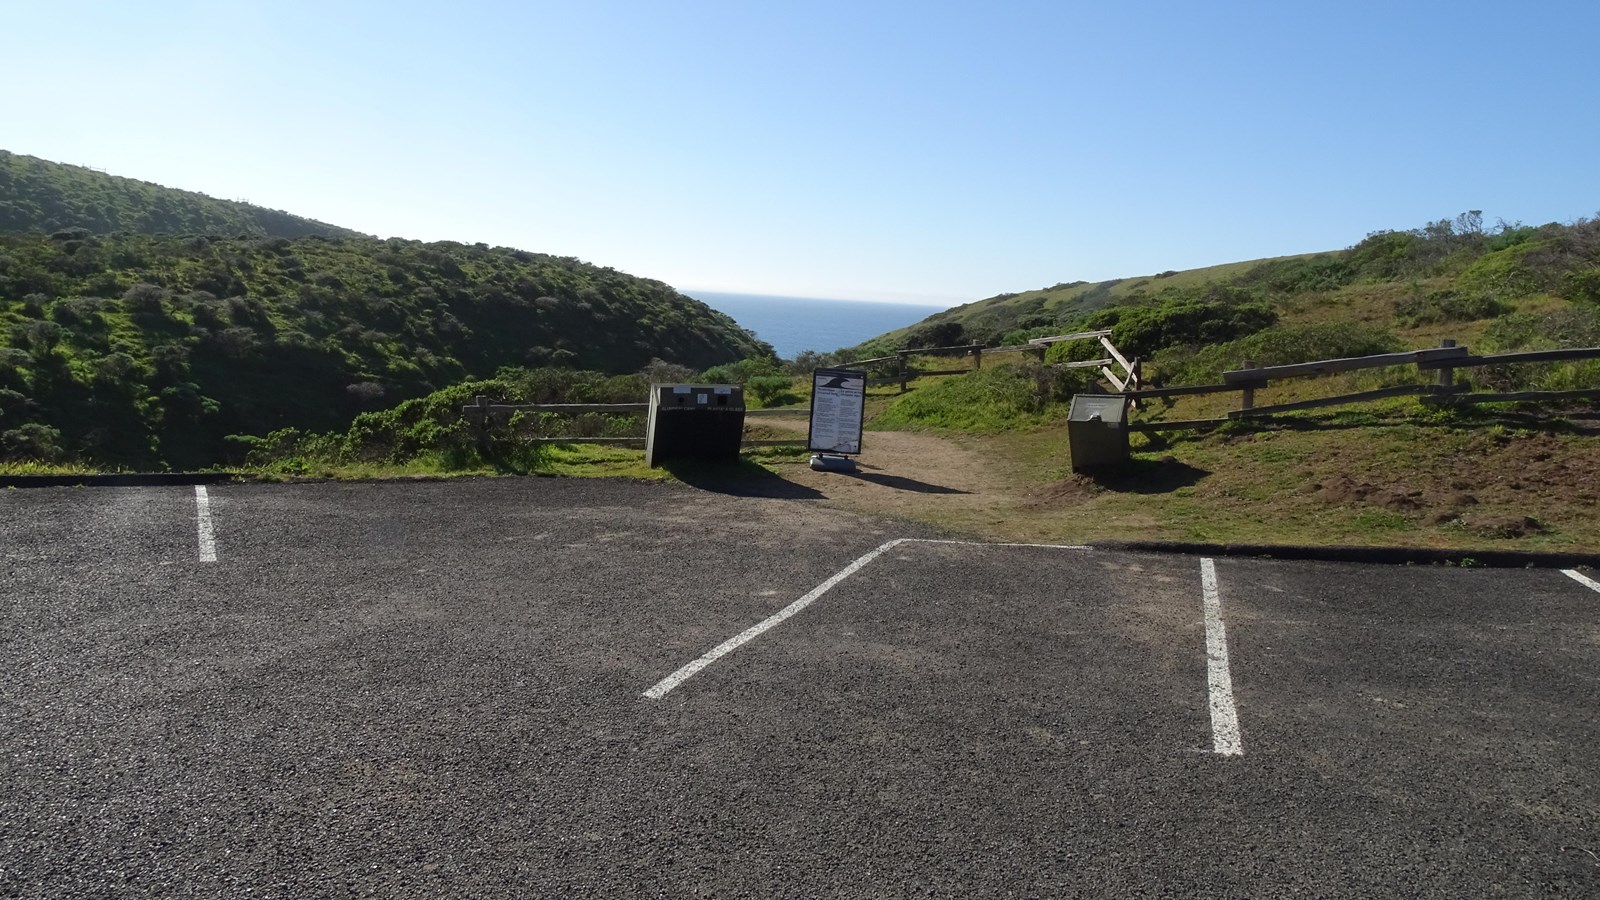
<point>739,479</point>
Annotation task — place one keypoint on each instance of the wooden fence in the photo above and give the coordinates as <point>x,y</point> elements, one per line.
<point>483,410</point>
<point>1443,390</point>
<point>1130,377</point>
<point>1442,361</point>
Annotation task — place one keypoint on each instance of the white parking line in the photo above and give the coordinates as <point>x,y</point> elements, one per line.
<point>1224,715</point>
<point>1580,578</point>
<point>202,515</point>
<point>749,634</point>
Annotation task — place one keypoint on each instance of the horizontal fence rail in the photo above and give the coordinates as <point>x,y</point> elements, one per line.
<point>1442,360</point>
<point>1406,390</point>
<point>578,409</point>
<point>1258,376</point>
<point>482,409</point>
<point>1077,336</point>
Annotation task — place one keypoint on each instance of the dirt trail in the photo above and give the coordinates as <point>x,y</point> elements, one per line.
<point>915,476</point>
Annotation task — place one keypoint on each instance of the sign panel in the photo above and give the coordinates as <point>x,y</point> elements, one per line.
<point>838,405</point>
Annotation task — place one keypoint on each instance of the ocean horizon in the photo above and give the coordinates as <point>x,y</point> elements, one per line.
<point>796,324</point>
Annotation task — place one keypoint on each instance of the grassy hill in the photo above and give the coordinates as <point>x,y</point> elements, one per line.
<point>1046,308</point>
<point>1511,286</point>
<point>148,350</point>
<point>39,195</point>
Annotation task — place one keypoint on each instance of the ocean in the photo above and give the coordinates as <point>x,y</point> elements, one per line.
<point>793,324</point>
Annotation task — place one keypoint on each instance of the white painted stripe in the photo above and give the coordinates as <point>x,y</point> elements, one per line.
<point>202,512</point>
<point>754,631</point>
<point>1224,715</point>
<point>1580,578</point>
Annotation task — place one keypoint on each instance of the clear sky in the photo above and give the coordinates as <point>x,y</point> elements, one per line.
<point>920,151</point>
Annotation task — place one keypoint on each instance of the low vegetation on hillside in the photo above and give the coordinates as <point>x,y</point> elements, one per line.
<point>148,351</point>
<point>1451,275</point>
<point>42,196</point>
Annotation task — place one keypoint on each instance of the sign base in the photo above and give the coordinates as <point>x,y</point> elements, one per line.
<point>829,462</point>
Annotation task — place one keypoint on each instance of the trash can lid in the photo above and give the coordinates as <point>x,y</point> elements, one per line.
<point>1098,407</point>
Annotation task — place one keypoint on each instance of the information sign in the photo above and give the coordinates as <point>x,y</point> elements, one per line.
<point>838,405</point>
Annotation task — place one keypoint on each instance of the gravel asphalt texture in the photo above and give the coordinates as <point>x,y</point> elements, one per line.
<point>434,689</point>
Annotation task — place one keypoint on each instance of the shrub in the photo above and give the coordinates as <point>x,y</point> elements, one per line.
<point>1179,316</point>
<point>145,299</point>
<point>769,388</point>
<point>1280,346</point>
<point>1386,255</point>
<point>1582,286</point>
<point>1142,332</point>
<point>1578,327</point>
<point>937,334</point>
<point>31,442</point>
<point>39,336</point>
<point>1503,272</point>
<point>115,370</point>
<point>365,393</point>
<point>1024,335</point>
<point>659,371</point>
<point>1323,272</point>
<point>740,372</point>
<point>1000,398</point>
<point>1530,331</point>
<point>1447,306</point>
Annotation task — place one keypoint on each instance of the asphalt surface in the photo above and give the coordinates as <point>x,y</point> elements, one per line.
<point>435,690</point>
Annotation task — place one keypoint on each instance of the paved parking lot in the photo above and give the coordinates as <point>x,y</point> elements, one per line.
<point>479,688</point>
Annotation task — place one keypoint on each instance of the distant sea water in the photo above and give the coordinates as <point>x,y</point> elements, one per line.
<point>794,324</point>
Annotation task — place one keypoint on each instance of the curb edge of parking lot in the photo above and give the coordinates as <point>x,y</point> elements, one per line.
<point>170,479</point>
<point>1393,556</point>
<point>124,479</point>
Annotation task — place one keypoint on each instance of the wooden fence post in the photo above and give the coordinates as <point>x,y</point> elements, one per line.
<point>977,357</point>
<point>481,423</point>
<point>904,374</point>
<point>1249,399</point>
<point>1447,374</point>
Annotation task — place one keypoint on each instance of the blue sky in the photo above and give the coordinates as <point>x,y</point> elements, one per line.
<point>928,151</point>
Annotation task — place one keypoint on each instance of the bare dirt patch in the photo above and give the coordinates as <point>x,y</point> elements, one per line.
<point>908,475</point>
<point>1343,490</point>
<point>1433,486</point>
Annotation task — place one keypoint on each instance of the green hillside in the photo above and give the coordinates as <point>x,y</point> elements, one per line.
<point>1045,308</point>
<point>1510,286</point>
<point>147,350</point>
<point>39,195</point>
